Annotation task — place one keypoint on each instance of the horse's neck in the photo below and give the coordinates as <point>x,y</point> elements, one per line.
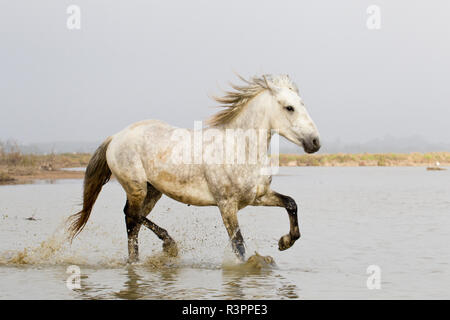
<point>253,117</point>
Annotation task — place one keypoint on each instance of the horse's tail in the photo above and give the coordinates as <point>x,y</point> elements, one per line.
<point>97,174</point>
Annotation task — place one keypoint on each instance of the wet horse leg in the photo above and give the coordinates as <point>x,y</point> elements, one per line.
<point>135,216</point>
<point>153,195</point>
<point>278,200</point>
<point>230,220</point>
<point>133,228</point>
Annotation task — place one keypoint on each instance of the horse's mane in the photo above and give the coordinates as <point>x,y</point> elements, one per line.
<point>235,101</point>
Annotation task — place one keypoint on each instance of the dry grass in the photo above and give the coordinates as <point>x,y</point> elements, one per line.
<point>56,161</point>
<point>366,159</point>
<point>5,177</point>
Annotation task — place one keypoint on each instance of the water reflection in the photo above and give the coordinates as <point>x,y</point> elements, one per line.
<point>177,282</point>
<point>257,284</point>
<point>90,290</point>
<point>288,291</point>
<point>132,289</point>
<point>138,286</point>
<point>143,282</point>
<point>238,283</point>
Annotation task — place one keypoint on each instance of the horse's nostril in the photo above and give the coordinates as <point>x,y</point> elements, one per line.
<point>316,142</point>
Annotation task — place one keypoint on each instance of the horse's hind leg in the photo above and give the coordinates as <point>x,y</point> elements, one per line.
<point>136,195</point>
<point>136,209</point>
<point>153,195</point>
<point>133,228</point>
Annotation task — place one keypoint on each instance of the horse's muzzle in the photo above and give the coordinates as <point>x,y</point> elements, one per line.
<point>311,145</point>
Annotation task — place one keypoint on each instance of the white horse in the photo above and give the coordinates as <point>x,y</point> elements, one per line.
<point>145,159</point>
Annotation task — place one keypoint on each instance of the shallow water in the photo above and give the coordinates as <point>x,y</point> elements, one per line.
<point>350,218</point>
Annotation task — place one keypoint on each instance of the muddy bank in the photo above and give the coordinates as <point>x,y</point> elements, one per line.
<point>11,178</point>
<point>17,168</point>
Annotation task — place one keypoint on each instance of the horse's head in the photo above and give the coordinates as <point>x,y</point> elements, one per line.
<point>284,110</point>
<point>289,116</point>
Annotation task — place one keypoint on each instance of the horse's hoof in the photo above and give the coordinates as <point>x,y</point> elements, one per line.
<point>241,258</point>
<point>170,248</point>
<point>285,242</point>
<point>239,251</point>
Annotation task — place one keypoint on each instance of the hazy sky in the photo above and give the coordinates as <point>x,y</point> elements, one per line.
<point>135,60</point>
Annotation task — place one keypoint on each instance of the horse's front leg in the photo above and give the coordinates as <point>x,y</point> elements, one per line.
<point>275,199</point>
<point>229,216</point>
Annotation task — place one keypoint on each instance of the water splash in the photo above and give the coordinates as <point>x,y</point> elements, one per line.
<point>160,260</point>
<point>48,251</point>
<point>255,263</point>
<point>56,250</point>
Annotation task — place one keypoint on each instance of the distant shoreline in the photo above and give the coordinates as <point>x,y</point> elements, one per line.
<point>414,159</point>
<point>17,168</point>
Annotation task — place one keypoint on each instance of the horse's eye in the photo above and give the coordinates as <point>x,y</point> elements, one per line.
<point>289,108</point>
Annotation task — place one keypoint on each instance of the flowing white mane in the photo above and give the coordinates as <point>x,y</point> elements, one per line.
<point>235,101</point>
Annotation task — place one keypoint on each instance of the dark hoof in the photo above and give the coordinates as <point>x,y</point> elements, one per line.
<point>239,251</point>
<point>170,248</point>
<point>241,257</point>
<point>286,242</point>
